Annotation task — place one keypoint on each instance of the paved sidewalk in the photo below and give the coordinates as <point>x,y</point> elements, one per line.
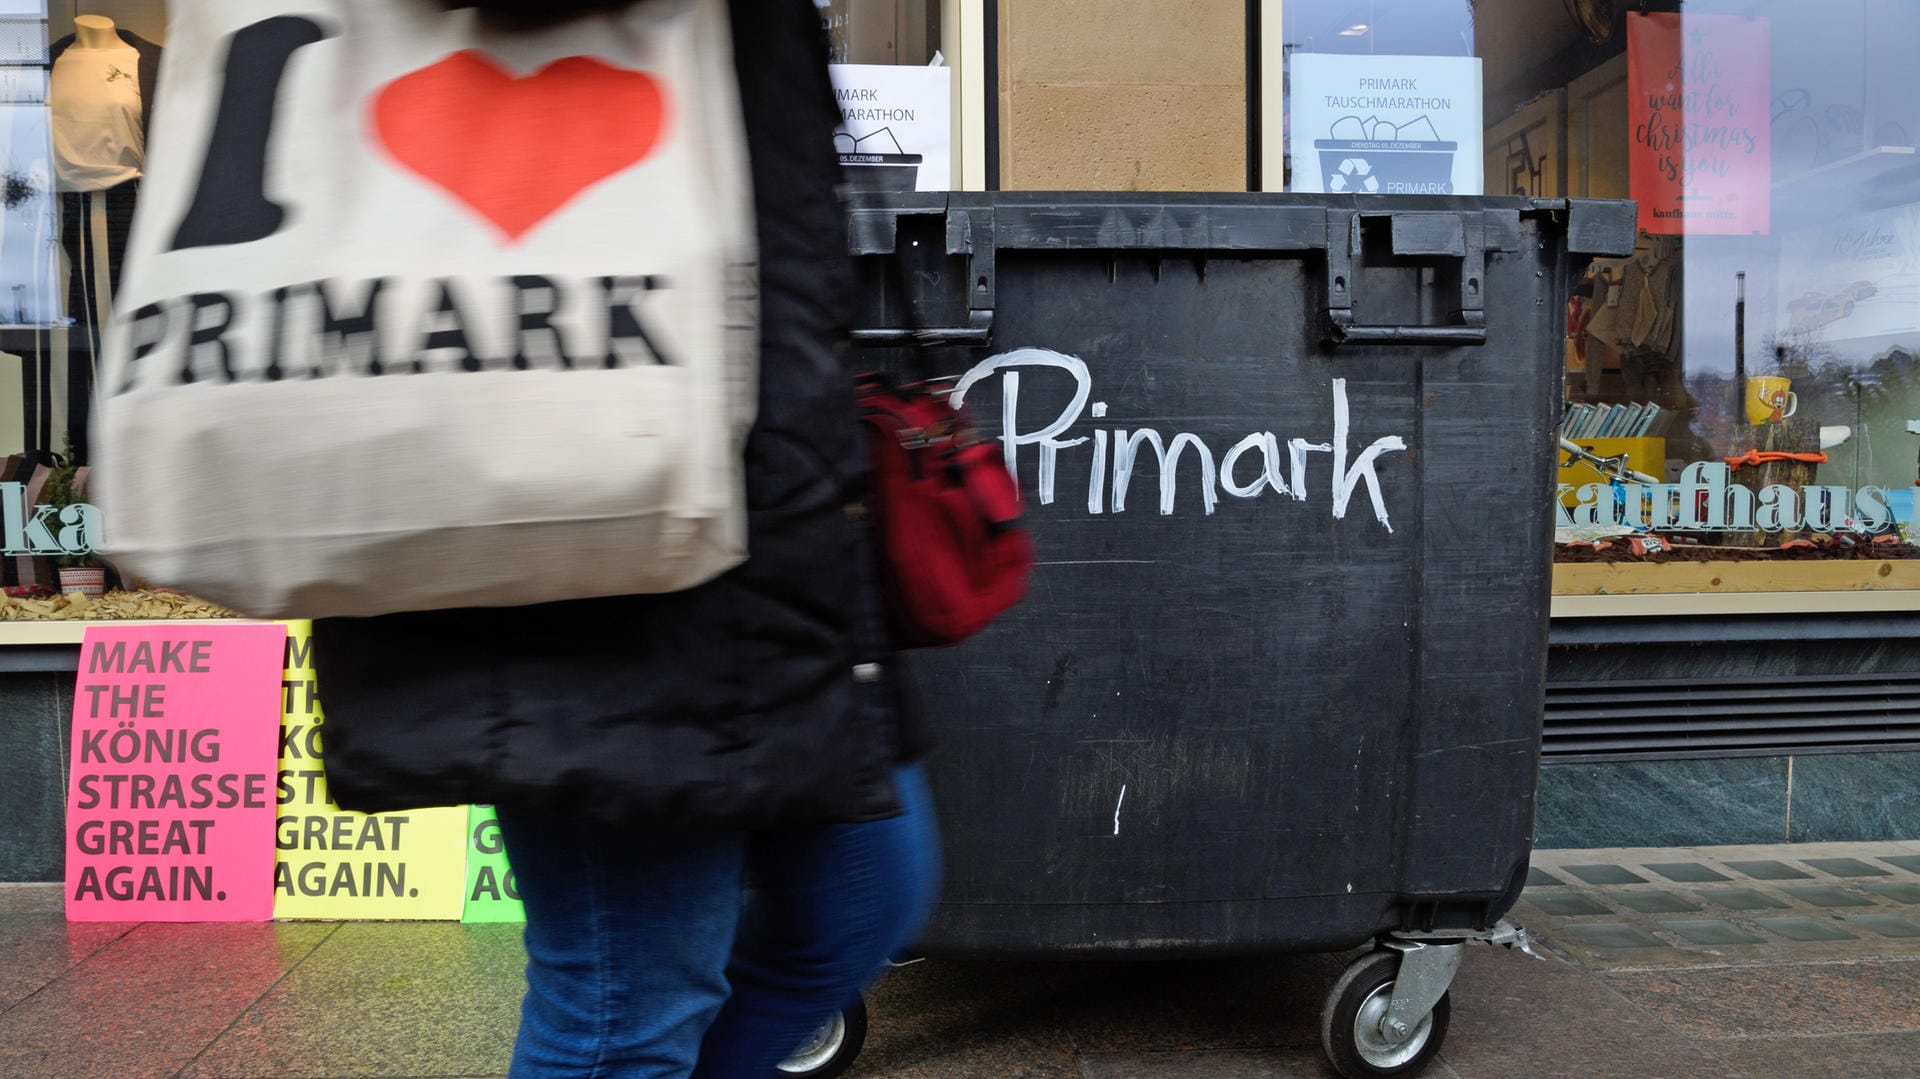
<point>1762,961</point>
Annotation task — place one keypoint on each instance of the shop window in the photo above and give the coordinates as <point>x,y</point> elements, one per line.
<point>1743,392</point>
<point>882,31</point>
<point>1769,320</point>
<point>77,83</point>
<point>896,94</point>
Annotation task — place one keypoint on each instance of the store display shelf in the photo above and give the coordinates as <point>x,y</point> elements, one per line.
<point>1866,165</point>
<point>1880,176</point>
<point>1639,579</point>
<point>39,634</point>
<point>1735,604</point>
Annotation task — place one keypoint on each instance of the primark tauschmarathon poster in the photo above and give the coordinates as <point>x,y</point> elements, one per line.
<point>896,126</point>
<point>1386,125</point>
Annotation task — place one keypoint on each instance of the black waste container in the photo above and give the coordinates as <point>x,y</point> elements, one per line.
<point>1289,466</point>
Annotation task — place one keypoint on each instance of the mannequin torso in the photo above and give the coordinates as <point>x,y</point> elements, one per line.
<point>96,32</point>
<point>98,140</point>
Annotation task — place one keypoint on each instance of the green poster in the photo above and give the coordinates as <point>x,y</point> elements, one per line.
<point>491,895</point>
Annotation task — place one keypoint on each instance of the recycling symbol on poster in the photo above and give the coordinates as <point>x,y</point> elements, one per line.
<point>1354,175</point>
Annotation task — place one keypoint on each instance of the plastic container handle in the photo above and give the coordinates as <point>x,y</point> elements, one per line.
<point>951,335</point>
<point>1408,335</point>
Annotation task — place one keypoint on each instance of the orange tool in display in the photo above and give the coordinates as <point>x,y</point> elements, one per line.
<point>1761,457</point>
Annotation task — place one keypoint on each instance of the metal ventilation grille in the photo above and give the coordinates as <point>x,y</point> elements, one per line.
<point>1730,717</point>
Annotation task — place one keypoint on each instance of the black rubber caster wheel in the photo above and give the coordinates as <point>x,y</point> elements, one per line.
<point>831,1049</point>
<point>1353,1026</point>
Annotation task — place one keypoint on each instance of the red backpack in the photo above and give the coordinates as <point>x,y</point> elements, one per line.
<point>947,513</point>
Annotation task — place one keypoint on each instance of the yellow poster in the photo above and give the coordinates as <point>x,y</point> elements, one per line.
<point>333,864</point>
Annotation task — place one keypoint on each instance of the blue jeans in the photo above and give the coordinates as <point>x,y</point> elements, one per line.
<point>646,960</point>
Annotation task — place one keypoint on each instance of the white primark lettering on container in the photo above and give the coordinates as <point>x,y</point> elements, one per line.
<point>421,313</point>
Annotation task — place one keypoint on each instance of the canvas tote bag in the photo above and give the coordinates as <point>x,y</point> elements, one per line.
<point>424,313</point>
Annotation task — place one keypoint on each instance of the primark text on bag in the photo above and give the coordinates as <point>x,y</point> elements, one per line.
<point>422,312</point>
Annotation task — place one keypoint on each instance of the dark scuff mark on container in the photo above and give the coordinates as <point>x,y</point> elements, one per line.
<point>1057,684</point>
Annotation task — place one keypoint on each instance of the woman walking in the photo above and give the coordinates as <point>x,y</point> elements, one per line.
<point>708,797</point>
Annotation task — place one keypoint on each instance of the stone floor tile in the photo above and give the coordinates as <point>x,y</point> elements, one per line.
<point>1735,800</point>
<point>1805,930</point>
<point>1845,867</point>
<point>1648,902</point>
<point>964,1020</point>
<point>1540,878</point>
<point>1854,1055</point>
<point>1825,895</point>
<point>1887,925</point>
<point>1261,1002</point>
<point>1688,872</point>
<point>1615,936</point>
<point>397,999</point>
<point>30,899</point>
<point>145,1005</point>
<point>1899,892</point>
<point>1712,933</point>
<point>37,948</point>
<point>1741,899</point>
<point>1212,1064</point>
<point>970,1056</point>
<point>1766,869</point>
<point>1521,1018</point>
<point>1605,874</point>
<point>1772,1001</point>
<point>1908,862</point>
<point>1572,905</point>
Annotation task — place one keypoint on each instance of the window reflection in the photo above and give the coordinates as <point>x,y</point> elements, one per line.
<point>1747,378</point>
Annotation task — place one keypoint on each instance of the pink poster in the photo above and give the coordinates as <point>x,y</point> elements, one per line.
<point>176,741</point>
<point>1701,159</point>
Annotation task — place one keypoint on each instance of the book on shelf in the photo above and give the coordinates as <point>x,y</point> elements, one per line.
<point>1630,425</point>
<point>1590,422</point>
<point>1648,420</point>
<point>1633,419</point>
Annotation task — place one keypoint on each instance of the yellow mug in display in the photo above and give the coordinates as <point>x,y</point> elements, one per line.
<point>1770,399</point>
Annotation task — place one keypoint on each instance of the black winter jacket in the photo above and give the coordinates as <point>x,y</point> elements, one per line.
<point>749,702</point>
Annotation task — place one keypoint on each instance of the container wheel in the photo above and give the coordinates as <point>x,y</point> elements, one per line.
<point>831,1049</point>
<point>1353,1023</point>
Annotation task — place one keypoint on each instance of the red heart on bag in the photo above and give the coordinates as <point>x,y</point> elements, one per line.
<point>516,150</point>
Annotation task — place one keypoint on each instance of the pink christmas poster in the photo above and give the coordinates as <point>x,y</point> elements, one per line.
<point>1701,159</point>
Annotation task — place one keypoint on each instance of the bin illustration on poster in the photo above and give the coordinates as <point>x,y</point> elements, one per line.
<point>896,126</point>
<point>1386,125</point>
<point>334,864</point>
